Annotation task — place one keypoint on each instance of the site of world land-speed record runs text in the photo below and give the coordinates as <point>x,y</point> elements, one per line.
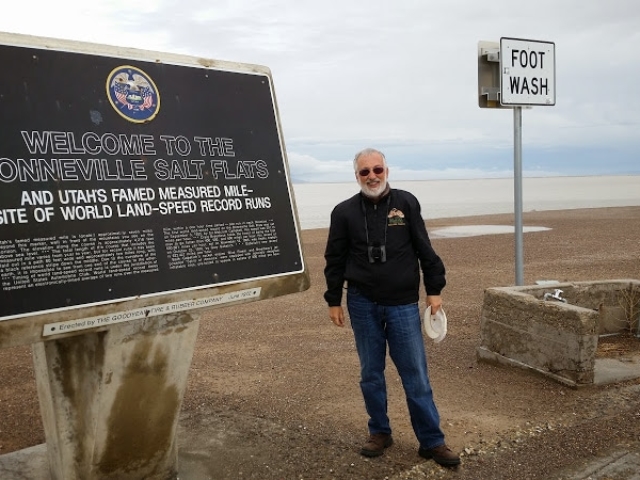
<point>170,178</point>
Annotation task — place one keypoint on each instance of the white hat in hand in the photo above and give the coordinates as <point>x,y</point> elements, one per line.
<point>435,326</point>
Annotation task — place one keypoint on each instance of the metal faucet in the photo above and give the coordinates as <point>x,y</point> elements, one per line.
<point>556,295</point>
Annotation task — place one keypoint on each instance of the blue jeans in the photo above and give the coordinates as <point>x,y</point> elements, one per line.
<point>375,326</point>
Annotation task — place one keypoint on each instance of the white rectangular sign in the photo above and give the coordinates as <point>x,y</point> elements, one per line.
<point>151,311</point>
<point>527,72</point>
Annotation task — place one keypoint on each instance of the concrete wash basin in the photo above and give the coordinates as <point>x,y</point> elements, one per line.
<point>557,339</point>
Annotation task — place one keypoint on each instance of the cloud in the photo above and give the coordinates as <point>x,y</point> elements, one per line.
<point>397,75</point>
<point>307,169</point>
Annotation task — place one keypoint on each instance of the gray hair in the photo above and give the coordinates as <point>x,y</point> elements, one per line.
<point>367,151</point>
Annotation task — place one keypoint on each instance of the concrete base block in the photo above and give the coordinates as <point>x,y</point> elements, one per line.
<point>526,327</point>
<point>110,400</point>
<point>31,463</point>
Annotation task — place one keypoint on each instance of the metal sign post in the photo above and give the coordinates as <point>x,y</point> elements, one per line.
<point>517,192</point>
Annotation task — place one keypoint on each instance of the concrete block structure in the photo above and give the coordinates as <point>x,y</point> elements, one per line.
<point>554,328</point>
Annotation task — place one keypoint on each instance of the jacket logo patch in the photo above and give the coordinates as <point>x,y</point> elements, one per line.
<point>396,217</point>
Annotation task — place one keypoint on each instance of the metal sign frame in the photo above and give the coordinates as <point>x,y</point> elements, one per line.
<point>135,179</point>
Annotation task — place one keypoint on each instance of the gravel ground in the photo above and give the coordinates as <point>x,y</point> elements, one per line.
<point>273,388</point>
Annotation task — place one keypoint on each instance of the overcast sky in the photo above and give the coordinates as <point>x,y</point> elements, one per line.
<point>398,75</point>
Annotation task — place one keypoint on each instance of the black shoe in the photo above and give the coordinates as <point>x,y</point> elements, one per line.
<point>376,444</point>
<point>442,455</point>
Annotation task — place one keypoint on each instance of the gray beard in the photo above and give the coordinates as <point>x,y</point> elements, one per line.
<point>373,194</point>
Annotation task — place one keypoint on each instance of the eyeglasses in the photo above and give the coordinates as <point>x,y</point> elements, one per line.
<point>365,171</point>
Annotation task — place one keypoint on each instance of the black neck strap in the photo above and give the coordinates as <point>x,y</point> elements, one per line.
<point>366,224</point>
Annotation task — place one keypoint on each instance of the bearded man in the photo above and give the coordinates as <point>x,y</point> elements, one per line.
<point>378,244</point>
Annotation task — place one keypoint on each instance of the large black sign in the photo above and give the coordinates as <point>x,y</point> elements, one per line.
<point>121,178</point>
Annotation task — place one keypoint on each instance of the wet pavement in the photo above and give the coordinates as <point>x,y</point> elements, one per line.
<point>621,464</point>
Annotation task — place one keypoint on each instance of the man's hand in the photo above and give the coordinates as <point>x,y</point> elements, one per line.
<point>435,301</point>
<point>337,316</point>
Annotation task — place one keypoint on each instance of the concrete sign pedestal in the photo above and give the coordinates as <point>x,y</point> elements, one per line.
<point>110,400</point>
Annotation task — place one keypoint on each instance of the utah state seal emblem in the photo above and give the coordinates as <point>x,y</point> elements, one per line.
<point>133,94</point>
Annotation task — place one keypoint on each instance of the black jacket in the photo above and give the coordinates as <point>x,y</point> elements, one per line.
<point>396,222</point>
